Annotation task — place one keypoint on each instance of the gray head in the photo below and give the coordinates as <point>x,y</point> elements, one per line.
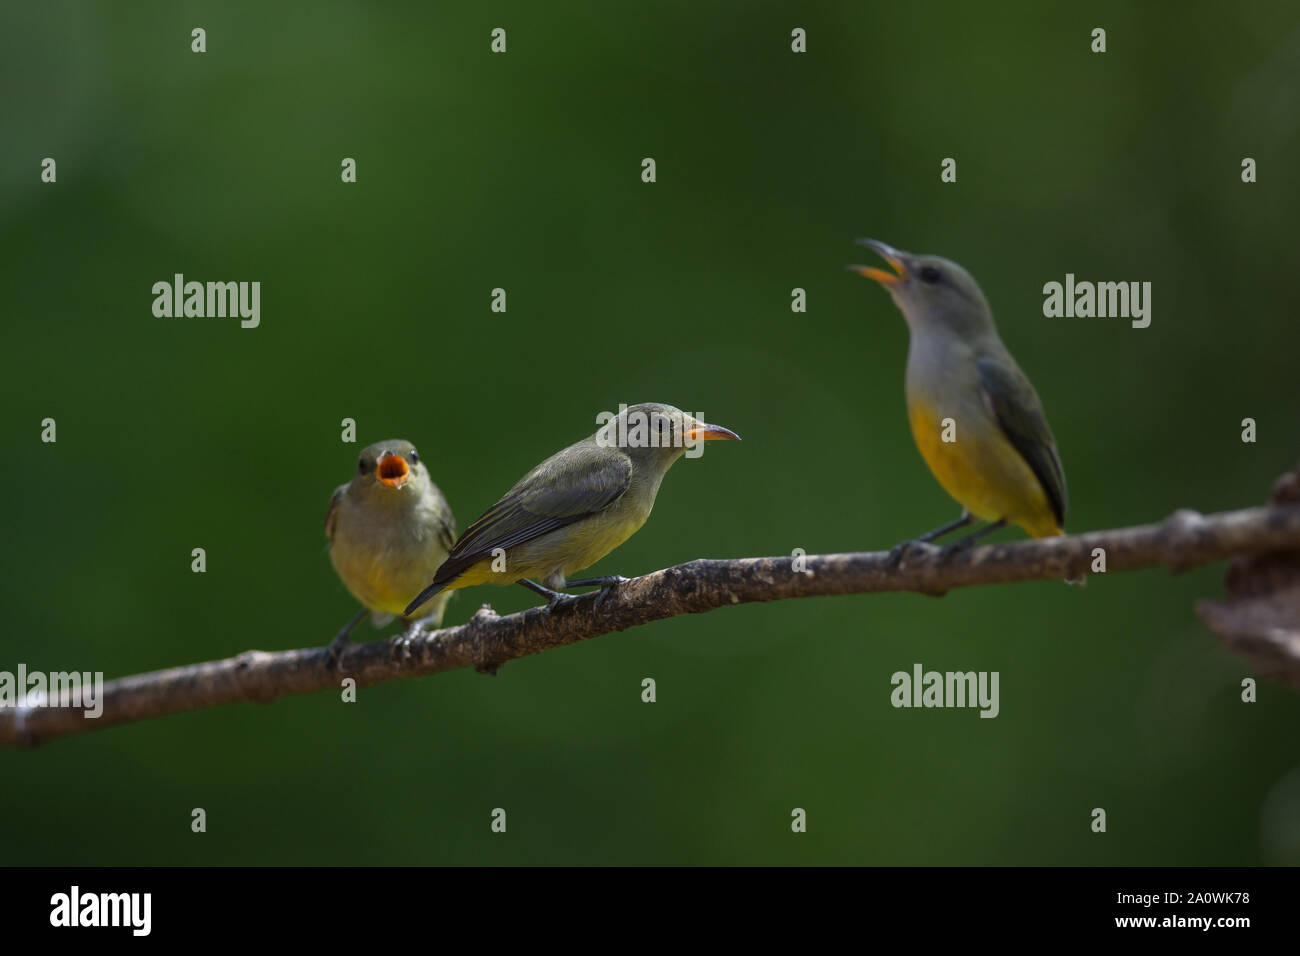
<point>931,292</point>
<point>652,433</point>
<point>389,471</point>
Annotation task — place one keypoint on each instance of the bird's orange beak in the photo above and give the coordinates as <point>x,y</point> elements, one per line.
<point>393,470</point>
<point>703,432</point>
<point>890,255</point>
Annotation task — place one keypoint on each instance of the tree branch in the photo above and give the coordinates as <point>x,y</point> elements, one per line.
<point>487,640</point>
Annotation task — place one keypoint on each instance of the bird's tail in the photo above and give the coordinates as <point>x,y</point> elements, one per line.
<point>424,596</point>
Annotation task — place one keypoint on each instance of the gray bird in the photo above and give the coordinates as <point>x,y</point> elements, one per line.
<point>974,414</point>
<point>575,507</point>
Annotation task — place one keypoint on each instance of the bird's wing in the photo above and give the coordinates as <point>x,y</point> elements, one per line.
<point>549,497</point>
<point>332,516</point>
<point>1020,414</point>
<point>446,520</point>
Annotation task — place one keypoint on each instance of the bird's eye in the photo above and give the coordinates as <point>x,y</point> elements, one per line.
<point>414,457</point>
<point>363,466</point>
<point>931,274</point>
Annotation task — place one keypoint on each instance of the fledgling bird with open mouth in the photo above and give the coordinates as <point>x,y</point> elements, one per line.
<point>1002,465</point>
<point>574,508</point>
<point>389,529</point>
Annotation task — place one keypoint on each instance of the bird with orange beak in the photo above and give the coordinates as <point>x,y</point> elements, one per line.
<point>974,414</point>
<point>389,529</point>
<point>575,507</point>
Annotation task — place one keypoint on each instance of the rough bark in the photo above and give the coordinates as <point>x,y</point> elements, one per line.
<point>1261,619</point>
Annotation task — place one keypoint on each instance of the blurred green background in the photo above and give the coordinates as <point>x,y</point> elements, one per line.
<point>523,171</point>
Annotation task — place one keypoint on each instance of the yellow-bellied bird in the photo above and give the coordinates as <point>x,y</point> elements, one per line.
<point>389,528</point>
<point>575,507</point>
<point>999,460</point>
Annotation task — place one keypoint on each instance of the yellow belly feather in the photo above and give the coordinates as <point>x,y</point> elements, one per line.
<point>563,551</point>
<point>982,470</point>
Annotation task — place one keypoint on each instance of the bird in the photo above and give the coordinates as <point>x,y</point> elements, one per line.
<point>389,529</point>
<point>575,507</point>
<point>974,414</point>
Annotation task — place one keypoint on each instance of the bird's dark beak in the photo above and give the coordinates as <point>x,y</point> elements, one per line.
<point>393,470</point>
<point>890,255</point>
<point>703,432</point>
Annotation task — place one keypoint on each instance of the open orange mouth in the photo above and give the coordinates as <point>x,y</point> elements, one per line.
<point>393,470</point>
<point>890,255</point>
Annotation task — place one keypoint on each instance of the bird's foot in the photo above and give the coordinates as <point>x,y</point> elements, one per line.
<point>419,627</point>
<point>342,641</point>
<point>401,643</point>
<point>911,548</point>
<point>602,582</point>
<point>957,547</point>
<point>608,589</point>
<point>334,650</point>
<point>964,544</point>
<point>606,584</point>
<point>554,599</point>
<point>559,599</point>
